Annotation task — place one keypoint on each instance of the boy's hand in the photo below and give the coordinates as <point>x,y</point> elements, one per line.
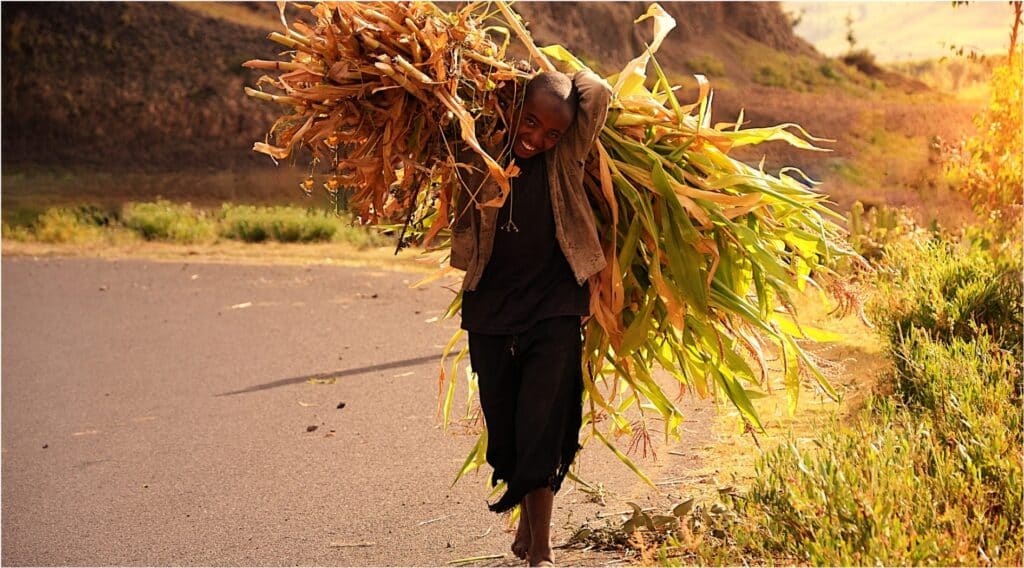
<point>595,95</point>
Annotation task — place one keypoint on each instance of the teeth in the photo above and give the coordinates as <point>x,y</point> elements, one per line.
<point>528,147</point>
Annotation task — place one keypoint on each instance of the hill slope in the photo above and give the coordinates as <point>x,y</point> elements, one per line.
<point>158,86</point>
<point>148,96</point>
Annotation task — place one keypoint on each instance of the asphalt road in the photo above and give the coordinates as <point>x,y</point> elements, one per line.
<point>161,413</point>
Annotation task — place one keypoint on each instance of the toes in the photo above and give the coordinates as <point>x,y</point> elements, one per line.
<point>520,550</point>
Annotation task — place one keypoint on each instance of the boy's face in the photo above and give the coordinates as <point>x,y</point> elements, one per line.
<point>542,122</point>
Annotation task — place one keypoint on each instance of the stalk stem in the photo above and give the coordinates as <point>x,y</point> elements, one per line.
<point>517,26</point>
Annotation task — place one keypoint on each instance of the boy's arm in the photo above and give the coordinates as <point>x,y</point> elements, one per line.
<point>594,97</point>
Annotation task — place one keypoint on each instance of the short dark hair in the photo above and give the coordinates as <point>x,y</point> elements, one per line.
<point>555,84</point>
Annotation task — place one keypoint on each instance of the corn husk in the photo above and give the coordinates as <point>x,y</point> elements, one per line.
<point>704,251</point>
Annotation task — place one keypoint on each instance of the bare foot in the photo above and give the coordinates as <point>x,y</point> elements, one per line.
<point>521,545</point>
<point>541,559</point>
<point>538,505</point>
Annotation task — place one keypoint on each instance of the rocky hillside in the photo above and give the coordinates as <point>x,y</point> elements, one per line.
<point>158,86</point>
<point>127,86</point>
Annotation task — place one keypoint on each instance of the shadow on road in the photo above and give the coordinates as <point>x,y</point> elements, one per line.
<point>336,374</point>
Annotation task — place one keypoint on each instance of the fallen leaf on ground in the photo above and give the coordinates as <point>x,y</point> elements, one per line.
<point>474,559</point>
<point>351,544</point>
<point>427,522</point>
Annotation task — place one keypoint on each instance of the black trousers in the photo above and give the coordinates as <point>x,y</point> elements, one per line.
<point>531,391</point>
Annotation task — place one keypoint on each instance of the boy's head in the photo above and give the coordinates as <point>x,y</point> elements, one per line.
<point>549,107</point>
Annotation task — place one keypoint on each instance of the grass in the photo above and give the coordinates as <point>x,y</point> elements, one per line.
<point>707,65</point>
<point>166,221</point>
<point>75,225</point>
<point>181,223</point>
<point>966,78</point>
<point>928,471</point>
<point>800,73</point>
<point>289,225</point>
<point>923,470</point>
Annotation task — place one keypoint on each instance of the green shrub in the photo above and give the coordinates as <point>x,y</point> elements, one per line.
<point>285,224</point>
<point>829,72</point>
<point>864,61</point>
<point>706,65</point>
<point>61,225</point>
<point>950,292</point>
<point>292,224</point>
<point>796,73</point>
<point>166,221</point>
<point>771,76</point>
<point>879,228</point>
<point>930,471</point>
<point>930,476</point>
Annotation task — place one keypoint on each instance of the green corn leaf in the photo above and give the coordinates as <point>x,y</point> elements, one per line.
<point>624,459</point>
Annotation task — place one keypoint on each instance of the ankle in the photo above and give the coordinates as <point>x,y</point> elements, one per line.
<point>539,552</point>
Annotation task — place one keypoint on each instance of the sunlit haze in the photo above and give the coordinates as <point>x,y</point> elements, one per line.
<point>900,31</point>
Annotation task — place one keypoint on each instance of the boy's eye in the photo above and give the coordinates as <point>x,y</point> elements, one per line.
<point>530,122</point>
<point>554,135</point>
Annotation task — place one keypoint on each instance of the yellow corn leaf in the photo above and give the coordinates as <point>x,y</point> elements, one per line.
<point>562,54</point>
<point>633,75</point>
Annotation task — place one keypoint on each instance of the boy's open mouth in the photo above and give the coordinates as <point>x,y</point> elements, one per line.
<point>527,148</point>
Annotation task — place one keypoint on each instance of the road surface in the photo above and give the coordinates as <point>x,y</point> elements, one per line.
<point>173,413</point>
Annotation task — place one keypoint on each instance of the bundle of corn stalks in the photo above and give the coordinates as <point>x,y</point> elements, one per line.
<point>704,251</point>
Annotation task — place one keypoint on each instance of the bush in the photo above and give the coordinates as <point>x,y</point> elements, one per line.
<point>706,65</point>
<point>931,476</point>
<point>292,224</point>
<point>771,76</point>
<point>930,472</point>
<point>166,221</point>
<point>59,224</point>
<point>864,61</point>
<point>63,226</point>
<point>181,223</point>
<point>951,293</point>
<point>880,227</point>
<point>989,166</point>
<point>285,224</point>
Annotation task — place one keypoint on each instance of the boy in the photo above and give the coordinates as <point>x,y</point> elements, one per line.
<point>525,292</point>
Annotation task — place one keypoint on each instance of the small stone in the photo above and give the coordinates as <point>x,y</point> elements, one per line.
<point>46,446</point>
<point>341,405</point>
<point>103,288</point>
<point>311,428</point>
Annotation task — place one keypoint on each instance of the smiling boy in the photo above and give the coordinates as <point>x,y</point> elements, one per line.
<point>525,292</point>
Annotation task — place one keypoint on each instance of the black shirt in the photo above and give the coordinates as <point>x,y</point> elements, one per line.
<point>527,278</point>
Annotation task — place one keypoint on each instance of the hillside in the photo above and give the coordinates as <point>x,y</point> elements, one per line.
<point>127,100</point>
<point>128,86</point>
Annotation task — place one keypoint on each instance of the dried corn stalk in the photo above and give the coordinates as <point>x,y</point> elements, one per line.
<point>703,250</point>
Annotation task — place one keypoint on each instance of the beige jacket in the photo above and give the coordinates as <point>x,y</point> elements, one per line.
<point>473,227</point>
